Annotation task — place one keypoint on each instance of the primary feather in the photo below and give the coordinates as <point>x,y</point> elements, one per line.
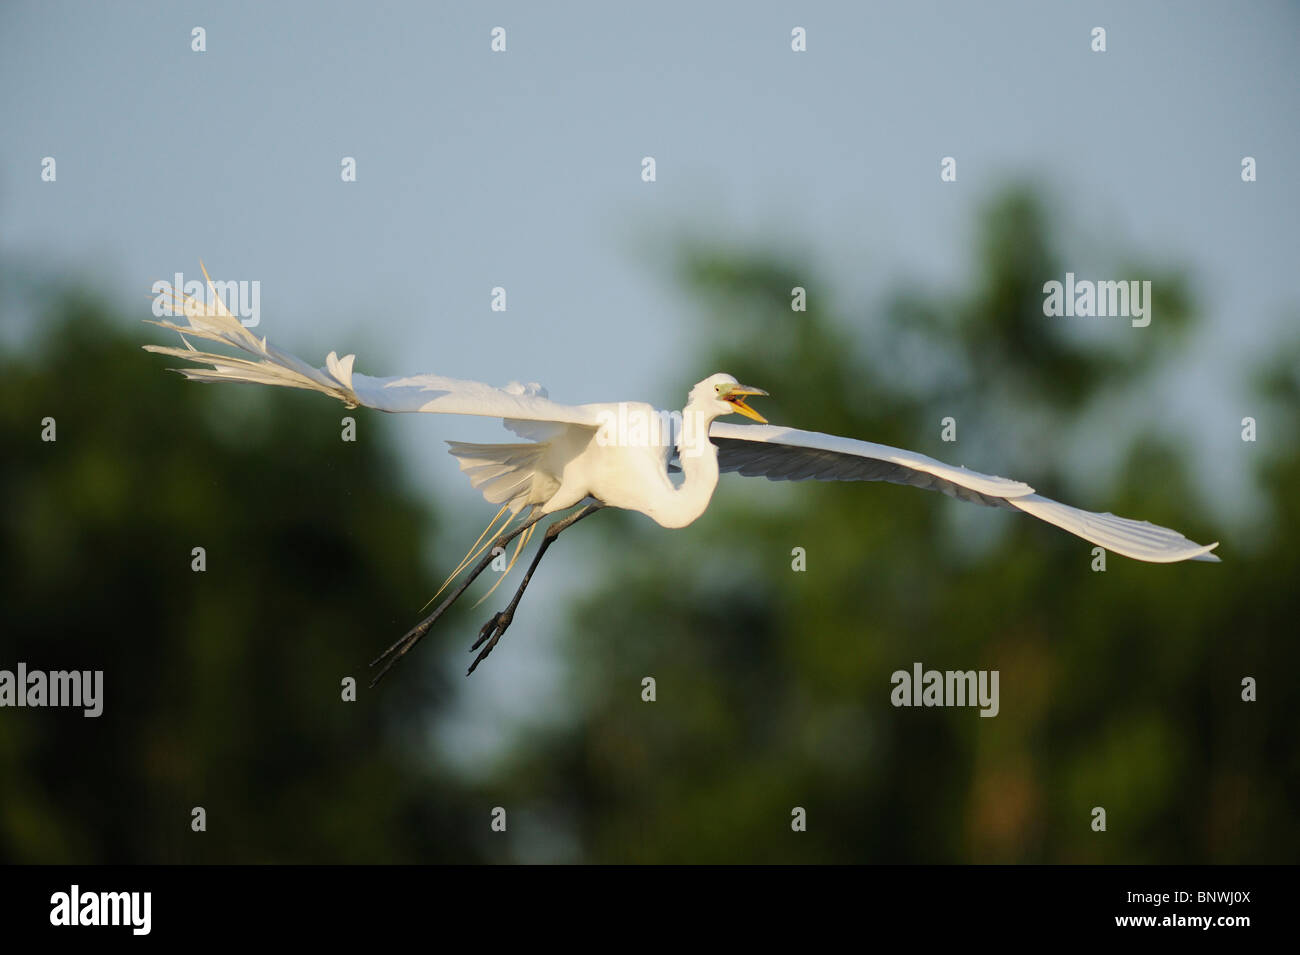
<point>562,465</point>
<point>268,365</point>
<point>788,454</point>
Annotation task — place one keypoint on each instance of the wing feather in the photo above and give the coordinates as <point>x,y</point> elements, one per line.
<point>782,454</point>
<point>517,404</point>
<point>788,454</point>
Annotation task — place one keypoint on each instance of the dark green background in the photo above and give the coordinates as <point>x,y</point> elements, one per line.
<point>1118,689</point>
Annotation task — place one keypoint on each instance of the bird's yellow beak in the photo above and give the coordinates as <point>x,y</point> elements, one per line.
<point>736,396</point>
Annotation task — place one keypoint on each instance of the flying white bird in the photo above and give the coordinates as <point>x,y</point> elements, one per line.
<point>621,455</point>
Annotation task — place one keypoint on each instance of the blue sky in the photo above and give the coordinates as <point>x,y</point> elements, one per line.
<point>522,169</point>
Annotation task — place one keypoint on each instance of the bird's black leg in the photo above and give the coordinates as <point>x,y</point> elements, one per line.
<point>414,635</point>
<point>496,626</point>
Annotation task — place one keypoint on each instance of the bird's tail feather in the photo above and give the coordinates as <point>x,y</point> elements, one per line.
<point>486,540</point>
<point>268,366</point>
<point>490,533</point>
<point>519,546</point>
<point>509,473</point>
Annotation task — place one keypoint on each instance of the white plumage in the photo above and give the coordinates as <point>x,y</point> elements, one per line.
<point>585,453</point>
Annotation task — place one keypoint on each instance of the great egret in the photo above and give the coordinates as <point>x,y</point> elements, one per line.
<point>620,455</point>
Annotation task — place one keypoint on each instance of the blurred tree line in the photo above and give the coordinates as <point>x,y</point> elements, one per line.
<point>1119,689</point>
<point>223,688</point>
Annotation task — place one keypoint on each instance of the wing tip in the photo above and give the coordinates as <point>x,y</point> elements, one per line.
<point>1206,556</point>
<point>1199,552</point>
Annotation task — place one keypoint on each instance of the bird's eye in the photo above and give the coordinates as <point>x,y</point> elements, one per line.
<point>718,389</point>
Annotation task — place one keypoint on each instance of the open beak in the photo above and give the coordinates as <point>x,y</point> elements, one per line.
<point>736,396</point>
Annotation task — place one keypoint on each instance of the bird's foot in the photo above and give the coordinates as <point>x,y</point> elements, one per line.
<point>489,635</point>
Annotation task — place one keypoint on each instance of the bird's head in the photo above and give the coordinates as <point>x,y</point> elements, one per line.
<point>723,394</point>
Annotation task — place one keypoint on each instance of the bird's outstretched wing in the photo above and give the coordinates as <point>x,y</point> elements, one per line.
<point>787,454</point>
<point>267,365</point>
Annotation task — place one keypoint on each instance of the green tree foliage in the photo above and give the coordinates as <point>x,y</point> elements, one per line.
<point>1119,689</point>
<point>222,688</point>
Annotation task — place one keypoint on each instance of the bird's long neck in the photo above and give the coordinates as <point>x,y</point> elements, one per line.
<point>682,504</point>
